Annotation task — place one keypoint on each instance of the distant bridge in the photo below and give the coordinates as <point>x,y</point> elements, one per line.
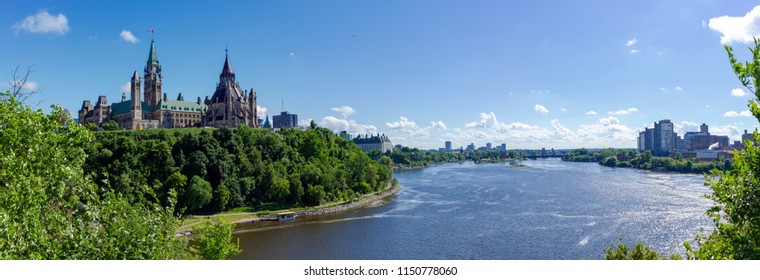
<point>547,156</point>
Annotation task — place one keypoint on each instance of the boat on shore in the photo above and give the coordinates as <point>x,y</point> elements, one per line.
<point>287,216</point>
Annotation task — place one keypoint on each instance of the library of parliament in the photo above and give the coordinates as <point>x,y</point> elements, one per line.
<point>229,106</point>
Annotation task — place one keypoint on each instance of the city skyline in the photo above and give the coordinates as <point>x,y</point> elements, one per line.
<point>531,75</point>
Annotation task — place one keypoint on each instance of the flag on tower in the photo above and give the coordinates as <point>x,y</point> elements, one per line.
<point>150,30</point>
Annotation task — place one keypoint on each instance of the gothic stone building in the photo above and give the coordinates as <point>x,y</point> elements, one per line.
<point>229,105</point>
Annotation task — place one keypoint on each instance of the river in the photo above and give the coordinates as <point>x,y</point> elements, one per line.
<point>549,210</point>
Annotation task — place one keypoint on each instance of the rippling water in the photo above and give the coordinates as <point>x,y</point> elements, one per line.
<point>552,210</point>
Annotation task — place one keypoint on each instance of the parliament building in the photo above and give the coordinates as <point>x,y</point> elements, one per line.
<point>229,105</point>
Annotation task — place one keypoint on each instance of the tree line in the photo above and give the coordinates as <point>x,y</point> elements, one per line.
<point>212,170</point>
<point>414,157</point>
<point>630,158</point>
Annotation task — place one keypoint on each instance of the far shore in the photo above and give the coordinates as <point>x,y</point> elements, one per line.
<point>251,217</point>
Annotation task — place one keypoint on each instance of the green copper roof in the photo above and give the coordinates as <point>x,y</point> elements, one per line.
<point>185,106</point>
<point>152,57</point>
<point>124,107</point>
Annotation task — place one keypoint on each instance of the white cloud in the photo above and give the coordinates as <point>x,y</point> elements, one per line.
<point>563,109</point>
<point>438,125</point>
<point>291,55</point>
<point>541,109</point>
<point>305,123</point>
<point>607,130</point>
<point>685,126</point>
<point>623,112</point>
<point>344,110</point>
<point>664,89</point>
<point>631,42</point>
<point>732,130</point>
<point>126,87</point>
<point>733,114</point>
<point>484,121</point>
<point>561,130</point>
<point>127,36</point>
<point>43,22</point>
<point>737,29</point>
<point>422,132</point>
<point>402,123</point>
<point>261,111</point>
<point>679,88</point>
<point>590,113</point>
<point>738,92</point>
<point>350,126</point>
<point>634,51</point>
<point>29,85</point>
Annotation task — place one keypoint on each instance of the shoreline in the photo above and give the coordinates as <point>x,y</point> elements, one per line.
<point>365,200</point>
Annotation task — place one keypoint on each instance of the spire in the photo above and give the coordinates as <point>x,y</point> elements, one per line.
<point>152,57</point>
<point>227,68</point>
<point>135,76</point>
<point>227,74</point>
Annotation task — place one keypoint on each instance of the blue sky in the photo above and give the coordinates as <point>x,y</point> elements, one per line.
<point>531,74</point>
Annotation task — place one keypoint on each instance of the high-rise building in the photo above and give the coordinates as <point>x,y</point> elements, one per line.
<point>488,146</point>
<point>661,139</point>
<point>664,138</point>
<point>704,129</point>
<point>285,120</point>
<point>344,134</point>
<point>646,140</point>
<point>448,146</point>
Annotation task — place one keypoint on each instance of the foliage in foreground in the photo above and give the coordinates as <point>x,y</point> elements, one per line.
<point>736,192</point>
<point>637,252</point>
<point>49,209</point>
<point>212,241</point>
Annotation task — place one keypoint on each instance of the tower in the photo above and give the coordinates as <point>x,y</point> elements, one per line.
<point>230,105</point>
<point>152,77</point>
<point>136,106</point>
<point>252,105</point>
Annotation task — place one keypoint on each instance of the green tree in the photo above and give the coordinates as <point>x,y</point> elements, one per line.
<point>638,252</point>
<point>110,126</point>
<point>221,198</point>
<point>91,127</point>
<point>49,209</point>
<point>213,241</point>
<point>198,193</point>
<point>678,156</point>
<point>736,213</point>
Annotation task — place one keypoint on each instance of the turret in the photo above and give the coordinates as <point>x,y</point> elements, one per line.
<point>252,104</point>
<point>135,108</point>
